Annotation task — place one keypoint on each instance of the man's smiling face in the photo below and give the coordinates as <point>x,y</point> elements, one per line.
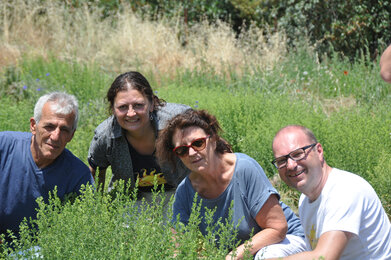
<point>50,135</point>
<point>304,175</point>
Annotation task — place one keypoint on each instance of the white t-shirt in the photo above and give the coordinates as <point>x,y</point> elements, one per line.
<point>348,203</point>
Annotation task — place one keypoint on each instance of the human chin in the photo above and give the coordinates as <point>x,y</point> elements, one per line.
<point>51,154</point>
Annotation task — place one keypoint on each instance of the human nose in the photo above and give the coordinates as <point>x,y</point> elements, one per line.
<point>131,111</point>
<point>290,163</point>
<point>192,151</point>
<point>55,135</point>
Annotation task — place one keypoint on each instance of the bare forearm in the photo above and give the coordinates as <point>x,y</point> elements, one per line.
<point>261,239</point>
<point>330,246</point>
<point>101,176</point>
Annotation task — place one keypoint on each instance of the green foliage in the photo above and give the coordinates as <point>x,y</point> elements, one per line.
<point>380,177</point>
<point>98,225</point>
<point>346,27</point>
<point>350,28</point>
<point>345,104</point>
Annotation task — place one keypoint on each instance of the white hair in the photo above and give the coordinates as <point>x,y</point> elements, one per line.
<point>64,104</point>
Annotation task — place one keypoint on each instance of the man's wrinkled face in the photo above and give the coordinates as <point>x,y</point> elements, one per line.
<point>51,134</point>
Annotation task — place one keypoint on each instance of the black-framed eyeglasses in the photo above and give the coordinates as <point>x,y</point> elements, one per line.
<point>198,144</point>
<point>296,155</point>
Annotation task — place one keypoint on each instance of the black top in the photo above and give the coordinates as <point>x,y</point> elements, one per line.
<point>146,167</point>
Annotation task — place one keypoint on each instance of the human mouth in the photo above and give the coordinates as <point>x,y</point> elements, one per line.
<point>296,174</point>
<point>196,160</point>
<point>132,120</point>
<point>53,146</point>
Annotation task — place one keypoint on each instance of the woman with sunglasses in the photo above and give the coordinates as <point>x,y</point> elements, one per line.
<point>220,176</point>
<point>126,140</point>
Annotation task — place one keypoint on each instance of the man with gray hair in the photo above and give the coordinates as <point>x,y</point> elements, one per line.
<point>33,164</point>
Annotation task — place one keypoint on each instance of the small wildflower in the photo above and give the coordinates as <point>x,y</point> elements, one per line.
<point>196,106</point>
<point>196,101</point>
<point>305,73</point>
<point>345,72</point>
<point>24,87</point>
<point>156,92</point>
<point>47,74</point>
<point>38,89</point>
<point>37,80</point>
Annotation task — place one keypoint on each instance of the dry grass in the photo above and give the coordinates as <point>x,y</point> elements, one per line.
<point>124,41</point>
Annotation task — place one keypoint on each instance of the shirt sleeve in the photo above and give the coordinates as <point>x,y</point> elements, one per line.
<point>97,153</point>
<point>257,187</point>
<point>182,204</point>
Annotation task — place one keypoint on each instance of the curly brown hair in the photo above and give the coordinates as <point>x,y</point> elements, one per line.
<point>189,118</point>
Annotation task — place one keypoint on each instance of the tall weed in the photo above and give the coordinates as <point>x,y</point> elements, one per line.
<point>124,41</point>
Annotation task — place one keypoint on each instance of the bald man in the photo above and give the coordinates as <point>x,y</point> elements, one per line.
<point>340,212</point>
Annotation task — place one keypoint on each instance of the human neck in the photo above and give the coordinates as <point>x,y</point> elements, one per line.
<point>212,182</point>
<point>315,193</point>
<point>143,141</point>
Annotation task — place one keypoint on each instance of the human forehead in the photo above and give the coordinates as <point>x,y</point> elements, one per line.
<point>187,135</point>
<point>129,96</point>
<point>288,141</point>
<point>49,116</point>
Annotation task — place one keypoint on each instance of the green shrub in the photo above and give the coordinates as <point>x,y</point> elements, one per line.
<point>380,178</point>
<point>348,112</point>
<point>101,226</point>
<point>347,27</point>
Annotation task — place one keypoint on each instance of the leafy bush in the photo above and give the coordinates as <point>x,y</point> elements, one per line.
<point>101,226</point>
<point>381,180</point>
<point>345,104</point>
<point>343,26</point>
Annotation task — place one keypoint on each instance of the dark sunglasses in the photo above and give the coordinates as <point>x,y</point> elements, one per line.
<point>198,144</point>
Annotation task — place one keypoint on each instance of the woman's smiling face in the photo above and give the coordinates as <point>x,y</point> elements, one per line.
<point>132,110</point>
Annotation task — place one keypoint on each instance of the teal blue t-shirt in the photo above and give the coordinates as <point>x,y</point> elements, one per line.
<point>249,189</point>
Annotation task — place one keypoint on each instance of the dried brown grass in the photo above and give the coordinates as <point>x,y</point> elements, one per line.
<point>124,41</point>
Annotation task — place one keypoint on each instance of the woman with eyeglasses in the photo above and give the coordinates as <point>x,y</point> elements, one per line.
<point>220,176</point>
<point>126,140</point>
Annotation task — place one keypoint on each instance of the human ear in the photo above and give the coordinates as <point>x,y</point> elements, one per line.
<point>33,125</point>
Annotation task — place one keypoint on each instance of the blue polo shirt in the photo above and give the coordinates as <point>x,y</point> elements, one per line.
<point>22,182</point>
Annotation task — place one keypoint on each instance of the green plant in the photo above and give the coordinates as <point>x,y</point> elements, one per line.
<point>343,26</point>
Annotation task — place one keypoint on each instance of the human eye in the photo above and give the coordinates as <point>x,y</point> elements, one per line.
<point>280,162</point>
<point>49,127</point>
<point>138,106</point>
<point>181,150</point>
<point>122,107</point>
<point>298,154</point>
<point>198,143</point>
<point>66,129</point>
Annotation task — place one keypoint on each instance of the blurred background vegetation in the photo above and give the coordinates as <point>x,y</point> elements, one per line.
<point>257,65</point>
<point>347,27</point>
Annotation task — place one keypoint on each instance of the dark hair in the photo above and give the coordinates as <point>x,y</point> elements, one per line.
<point>189,118</point>
<point>133,80</point>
